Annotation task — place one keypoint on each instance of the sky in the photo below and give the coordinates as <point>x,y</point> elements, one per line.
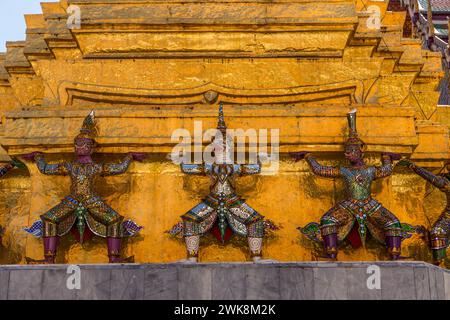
<point>12,22</point>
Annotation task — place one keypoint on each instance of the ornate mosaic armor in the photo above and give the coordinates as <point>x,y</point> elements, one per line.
<point>222,204</point>
<point>359,207</point>
<point>222,208</point>
<point>359,214</point>
<point>82,208</point>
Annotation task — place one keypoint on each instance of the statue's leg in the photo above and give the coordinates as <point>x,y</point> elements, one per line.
<point>50,246</point>
<point>439,238</point>
<point>192,239</point>
<point>114,249</point>
<point>331,245</point>
<point>103,213</point>
<point>334,226</point>
<point>51,219</point>
<point>255,235</point>
<point>196,222</point>
<point>384,223</point>
<point>394,246</point>
<point>245,220</point>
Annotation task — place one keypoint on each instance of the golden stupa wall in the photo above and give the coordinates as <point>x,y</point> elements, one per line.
<point>150,67</point>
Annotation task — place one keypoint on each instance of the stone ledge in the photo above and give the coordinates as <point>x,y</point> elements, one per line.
<point>220,281</point>
<point>299,127</point>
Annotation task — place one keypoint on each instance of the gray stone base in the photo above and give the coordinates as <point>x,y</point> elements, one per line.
<point>240,281</point>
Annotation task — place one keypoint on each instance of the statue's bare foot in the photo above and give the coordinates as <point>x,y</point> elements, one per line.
<point>327,258</point>
<point>122,260</point>
<point>439,263</point>
<point>264,261</point>
<point>31,261</point>
<point>400,258</point>
<point>188,261</point>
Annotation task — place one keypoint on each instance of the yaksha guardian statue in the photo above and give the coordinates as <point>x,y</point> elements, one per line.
<point>83,206</point>
<point>223,212</point>
<point>440,231</point>
<point>359,213</point>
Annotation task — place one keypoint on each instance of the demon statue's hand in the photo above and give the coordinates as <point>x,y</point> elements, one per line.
<point>177,157</point>
<point>15,162</point>
<point>138,156</point>
<point>31,156</point>
<point>263,157</point>
<point>405,163</point>
<point>298,155</point>
<point>393,156</point>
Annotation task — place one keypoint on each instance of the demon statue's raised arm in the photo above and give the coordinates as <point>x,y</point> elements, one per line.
<point>83,207</point>
<point>359,213</point>
<point>440,231</point>
<point>222,211</point>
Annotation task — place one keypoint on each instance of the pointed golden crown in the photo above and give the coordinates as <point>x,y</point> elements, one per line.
<point>353,138</point>
<point>221,122</point>
<point>88,129</point>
